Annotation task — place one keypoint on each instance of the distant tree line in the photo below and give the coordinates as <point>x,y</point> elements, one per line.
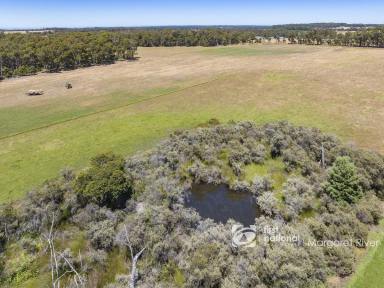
<point>362,38</point>
<point>313,26</point>
<point>192,37</point>
<point>25,54</point>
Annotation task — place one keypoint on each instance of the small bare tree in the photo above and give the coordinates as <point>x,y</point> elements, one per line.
<point>56,257</point>
<point>134,258</point>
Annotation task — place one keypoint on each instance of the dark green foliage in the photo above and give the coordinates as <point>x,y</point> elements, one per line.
<point>26,54</point>
<point>105,182</point>
<point>343,181</point>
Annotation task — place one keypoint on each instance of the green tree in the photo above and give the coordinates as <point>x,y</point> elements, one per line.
<point>343,181</point>
<point>105,182</point>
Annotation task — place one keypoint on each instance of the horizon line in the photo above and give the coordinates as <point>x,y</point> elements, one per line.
<point>179,25</point>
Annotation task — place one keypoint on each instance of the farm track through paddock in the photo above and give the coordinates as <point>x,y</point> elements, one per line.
<point>106,110</point>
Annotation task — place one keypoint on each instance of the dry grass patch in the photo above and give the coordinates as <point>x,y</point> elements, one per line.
<point>336,89</point>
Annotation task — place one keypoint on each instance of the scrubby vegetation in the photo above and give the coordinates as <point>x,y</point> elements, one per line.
<point>329,192</point>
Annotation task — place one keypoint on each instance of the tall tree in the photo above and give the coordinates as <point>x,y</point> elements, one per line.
<point>343,181</point>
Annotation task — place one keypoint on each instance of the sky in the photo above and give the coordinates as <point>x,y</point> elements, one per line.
<point>92,13</point>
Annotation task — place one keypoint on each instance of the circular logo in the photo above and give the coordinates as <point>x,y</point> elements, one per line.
<point>244,237</point>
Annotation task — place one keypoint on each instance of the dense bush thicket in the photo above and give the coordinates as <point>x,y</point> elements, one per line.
<point>104,183</point>
<point>181,248</point>
<point>24,54</point>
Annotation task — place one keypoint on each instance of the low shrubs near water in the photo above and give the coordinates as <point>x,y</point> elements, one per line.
<point>328,192</point>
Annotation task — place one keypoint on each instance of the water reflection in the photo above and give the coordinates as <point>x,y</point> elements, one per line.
<point>220,203</point>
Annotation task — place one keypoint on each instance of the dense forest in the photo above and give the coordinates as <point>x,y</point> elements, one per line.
<point>124,223</point>
<point>25,54</point>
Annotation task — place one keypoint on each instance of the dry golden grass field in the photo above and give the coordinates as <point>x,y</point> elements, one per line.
<point>129,106</point>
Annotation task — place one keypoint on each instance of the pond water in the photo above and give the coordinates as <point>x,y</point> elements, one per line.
<point>220,203</point>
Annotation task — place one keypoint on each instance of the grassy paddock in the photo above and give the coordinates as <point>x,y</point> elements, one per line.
<point>336,89</point>
<point>254,50</point>
<point>369,273</point>
<point>29,118</point>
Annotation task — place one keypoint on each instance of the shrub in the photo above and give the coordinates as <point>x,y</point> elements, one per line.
<point>8,224</point>
<point>201,173</point>
<point>294,157</point>
<point>105,182</point>
<point>257,151</point>
<point>298,197</point>
<point>341,226</point>
<point>236,168</point>
<point>278,144</point>
<point>240,186</point>
<point>261,185</point>
<point>240,155</point>
<point>93,213</point>
<point>340,259</point>
<point>268,203</point>
<point>101,234</point>
<point>96,257</point>
<point>371,168</point>
<point>368,211</point>
<point>205,266</point>
<point>343,182</point>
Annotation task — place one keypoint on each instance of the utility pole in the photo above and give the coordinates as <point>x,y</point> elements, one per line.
<point>322,156</point>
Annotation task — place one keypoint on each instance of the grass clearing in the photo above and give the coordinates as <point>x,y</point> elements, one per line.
<point>272,167</point>
<point>369,273</point>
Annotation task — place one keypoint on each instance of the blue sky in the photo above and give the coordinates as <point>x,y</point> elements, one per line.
<point>77,13</point>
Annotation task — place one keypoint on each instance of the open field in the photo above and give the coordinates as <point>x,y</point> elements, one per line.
<point>131,105</point>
